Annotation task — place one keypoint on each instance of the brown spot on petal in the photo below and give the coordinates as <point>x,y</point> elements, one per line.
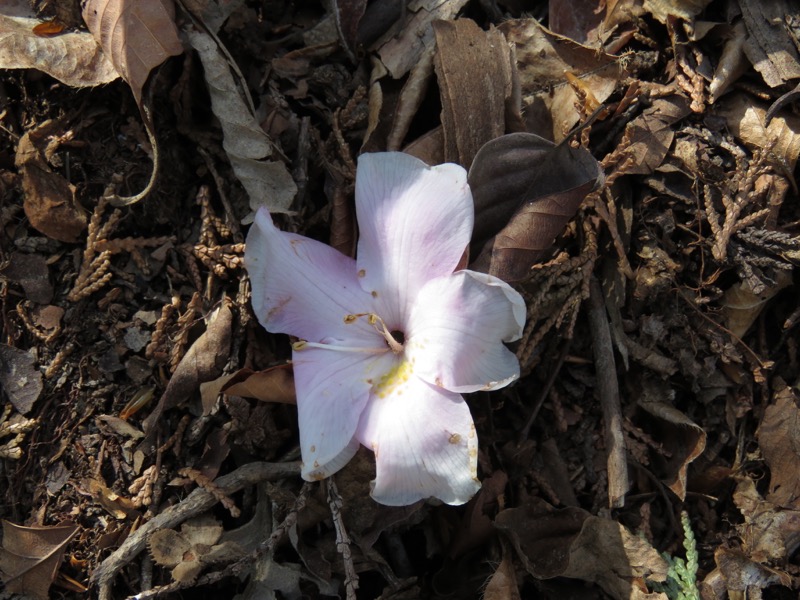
<point>438,381</point>
<point>374,294</point>
<point>454,438</point>
<point>362,273</point>
<point>312,449</point>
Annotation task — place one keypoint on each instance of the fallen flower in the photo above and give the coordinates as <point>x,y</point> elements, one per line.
<point>390,341</point>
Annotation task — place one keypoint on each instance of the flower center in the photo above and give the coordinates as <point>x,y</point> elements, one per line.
<point>398,336</point>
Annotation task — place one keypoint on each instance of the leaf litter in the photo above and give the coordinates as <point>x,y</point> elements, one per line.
<point>648,147</point>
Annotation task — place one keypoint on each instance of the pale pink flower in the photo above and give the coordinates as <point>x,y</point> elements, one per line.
<point>391,340</point>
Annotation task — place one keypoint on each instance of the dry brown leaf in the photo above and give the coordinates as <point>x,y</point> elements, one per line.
<point>73,57</point>
<point>30,557</point>
<point>503,583</point>
<point>275,384</point>
<point>120,507</point>
<point>578,20</point>
<point>399,54</point>
<point>203,362</point>
<point>745,118</point>
<point>19,378</point>
<point>652,132</point>
<point>769,47</point>
<point>136,35</point>
<point>744,577</point>
<point>770,533</point>
<point>681,437</point>
<point>465,54</point>
<point>663,10</point>
<point>570,542</point>
<point>779,440</point>
<point>31,272</point>
<point>525,190</point>
<point>249,148</point>
<point>543,61</point>
<point>732,63</point>
<point>741,306</point>
<point>49,203</point>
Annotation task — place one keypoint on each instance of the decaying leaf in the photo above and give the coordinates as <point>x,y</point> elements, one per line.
<point>743,577</point>
<point>193,547</point>
<point>543,61</point>
<point>525,190</point>
<point>770,533</point>
<point>570,542</point>
<point>270,385</point>
<point>741,305</point>
<point>203,362</point>
<point>49,198</point>
<point>779,440</point>
<point>19,378</point>
<point>249,148</point>
<point>399,54</point>
<point>651,134</point>
<point>466,54</point>
<point>663,10</point>
<point>118,506</point>
<point>30,557</point>
<point>136,36</point>
<point>31,272</point>
<point>746,118</point>
<point>683,439</point>
<point>503,583</point>
<point>732,64</point>
<point>769,47</point>
<point>73,57</point>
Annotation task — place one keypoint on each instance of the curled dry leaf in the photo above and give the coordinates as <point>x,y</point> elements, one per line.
<point>49,203</point>
<point>525,190</point>
<point>683,439</point>
<point>73,57</point>
<point>572,543</point>
<point>249,148</point>
<point>770,533</point>
<point>743,577</point>
<point>779,440</point>
<point>664,10</point>
<point>651,134</point>
<point>544,59</point>
<point>30,557</point>
<point>136,36</point>
<point>270,385</point>
<point>203,362</point>
<point>746,118</point>
<point>741,305</point>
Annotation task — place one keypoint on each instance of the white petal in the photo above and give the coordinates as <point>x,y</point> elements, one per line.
<point>415,222</point>
<point>305,288</point>
<point>424,442</point>
<point>456,331</point>
<point>332,391</point>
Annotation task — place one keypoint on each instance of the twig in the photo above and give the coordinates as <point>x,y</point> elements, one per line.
<point>608,390</point>
<point>195,504</point>
<point>342,540</point>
